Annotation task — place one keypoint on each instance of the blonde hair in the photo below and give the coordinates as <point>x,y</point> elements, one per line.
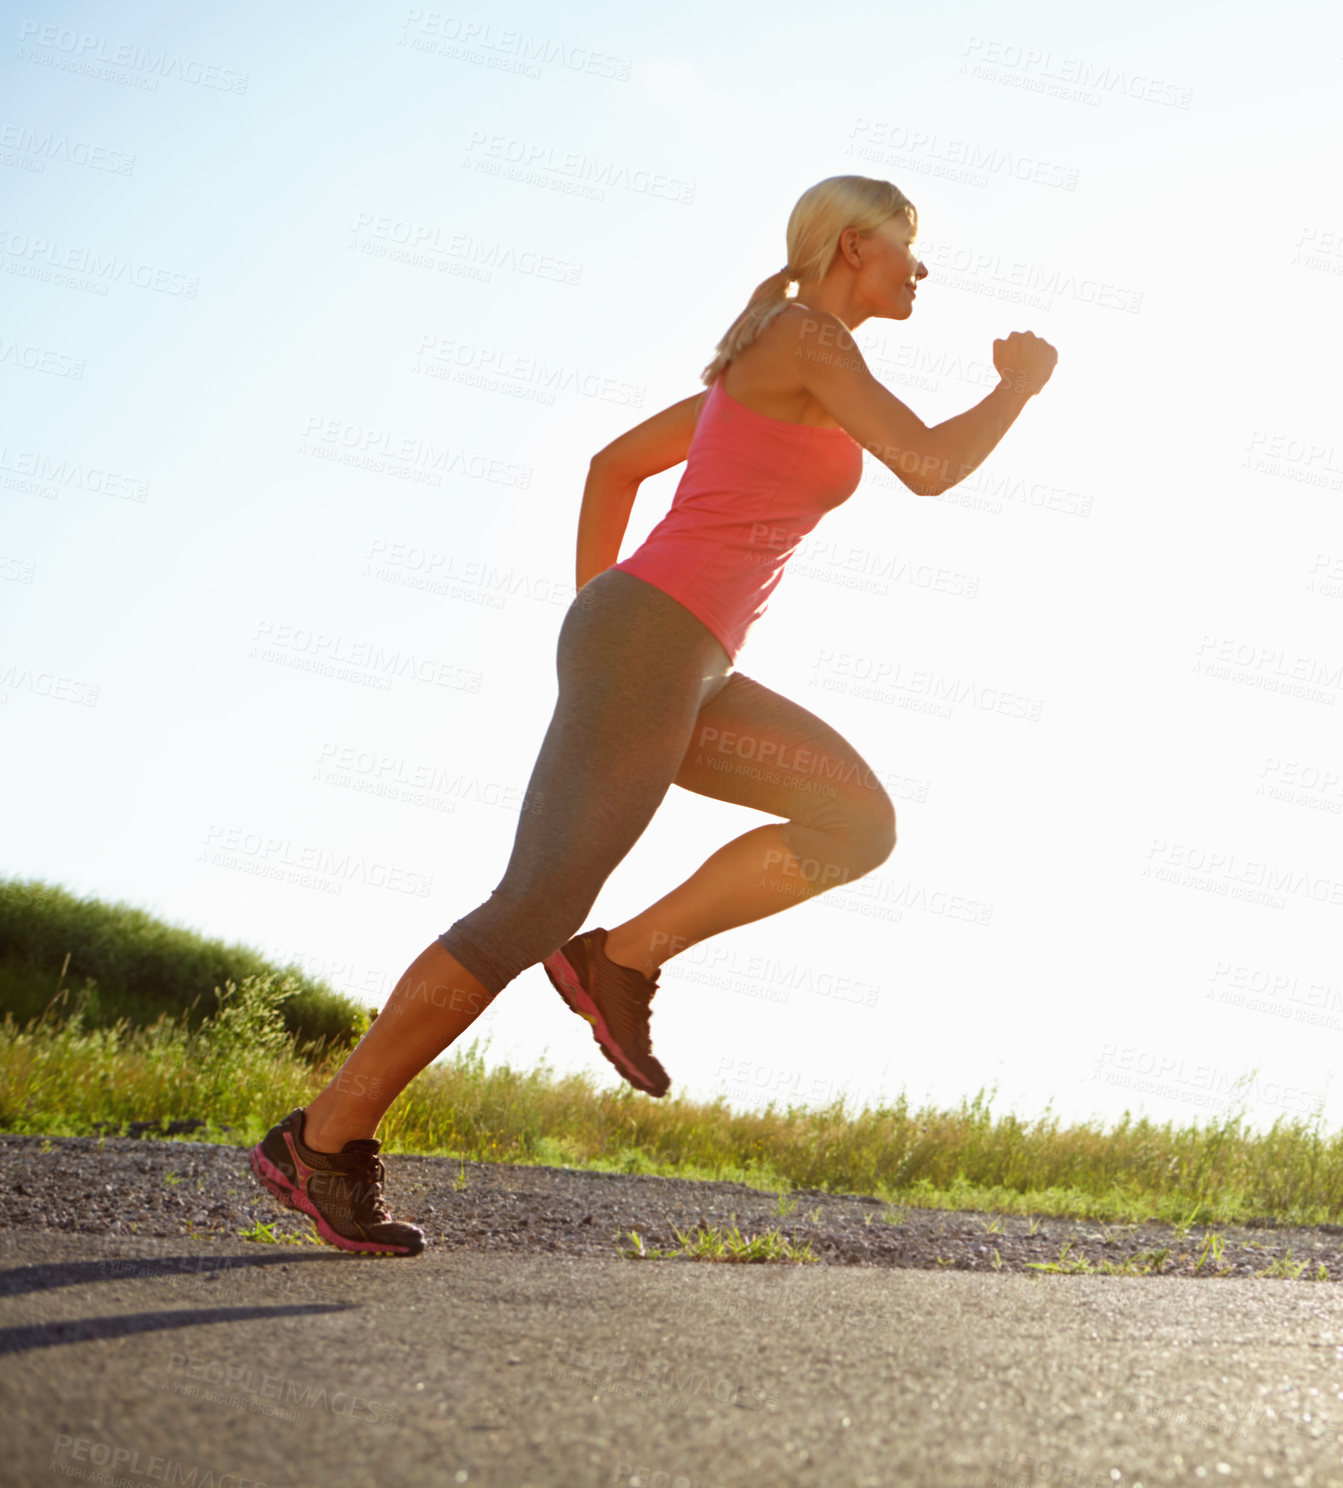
<point>821,214</point>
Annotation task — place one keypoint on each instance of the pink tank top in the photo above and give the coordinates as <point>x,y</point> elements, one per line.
<point>752,489</point>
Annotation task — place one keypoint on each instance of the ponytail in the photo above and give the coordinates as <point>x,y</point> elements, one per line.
<point>770,296</point>
<point>821,214</point>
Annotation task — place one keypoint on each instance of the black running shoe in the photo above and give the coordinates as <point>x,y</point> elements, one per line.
<point>340,1191</point>
<point>616,1000</point>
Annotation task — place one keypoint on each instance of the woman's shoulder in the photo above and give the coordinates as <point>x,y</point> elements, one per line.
<point>767,375</point>
<point>794,325</point>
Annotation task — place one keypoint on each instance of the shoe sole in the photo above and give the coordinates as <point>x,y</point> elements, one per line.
<point>273,1180</point>
<point>564,978</point>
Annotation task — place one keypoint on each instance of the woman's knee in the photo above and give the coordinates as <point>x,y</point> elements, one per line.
<point>868,833</point>
<point>876,833</point>
<point>854,835</point>
<point>512,931</point>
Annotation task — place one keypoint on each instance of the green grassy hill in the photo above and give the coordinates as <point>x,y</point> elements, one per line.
<point>114,961</point>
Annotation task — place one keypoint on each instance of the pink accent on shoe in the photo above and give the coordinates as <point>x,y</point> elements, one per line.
<point>584,1006</point>
<point>301,1169</point>
<point>295,1198</point>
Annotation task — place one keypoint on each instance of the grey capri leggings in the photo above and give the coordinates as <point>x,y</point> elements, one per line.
<point>647,699</point>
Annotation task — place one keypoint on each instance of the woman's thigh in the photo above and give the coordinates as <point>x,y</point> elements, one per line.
<point>754,747</point>
<point>633,667</point>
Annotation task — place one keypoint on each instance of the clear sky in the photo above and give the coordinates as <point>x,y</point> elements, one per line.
<point>312,318</point>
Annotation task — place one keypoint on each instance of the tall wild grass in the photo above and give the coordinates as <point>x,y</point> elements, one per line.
<point>241,1070</point>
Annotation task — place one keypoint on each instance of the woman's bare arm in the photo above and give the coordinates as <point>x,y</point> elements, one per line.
<point>614,476</point>
<point>929,460</point>
<point>608,499</point>
<point>656,444</point>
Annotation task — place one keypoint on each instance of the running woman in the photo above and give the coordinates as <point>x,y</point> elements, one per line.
<point>649,696</point>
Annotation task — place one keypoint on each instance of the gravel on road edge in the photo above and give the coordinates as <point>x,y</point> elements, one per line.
<point>124,1186</point>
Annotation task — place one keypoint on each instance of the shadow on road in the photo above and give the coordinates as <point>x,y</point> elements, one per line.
<point>19,1340</point>
<point>20,1280</point>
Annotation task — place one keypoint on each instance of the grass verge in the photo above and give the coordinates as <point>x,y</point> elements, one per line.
<point>709,1243</point>
<point>241,1070</point>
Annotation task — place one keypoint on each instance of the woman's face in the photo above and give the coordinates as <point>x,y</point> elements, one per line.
<point>891,268</point>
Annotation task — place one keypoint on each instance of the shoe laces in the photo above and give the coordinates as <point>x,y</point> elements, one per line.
<point>367,1176</point>
<point>639,991</point>
<point>639,987</point>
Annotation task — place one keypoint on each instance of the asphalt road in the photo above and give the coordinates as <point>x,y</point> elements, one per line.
<point>229,1365</point>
